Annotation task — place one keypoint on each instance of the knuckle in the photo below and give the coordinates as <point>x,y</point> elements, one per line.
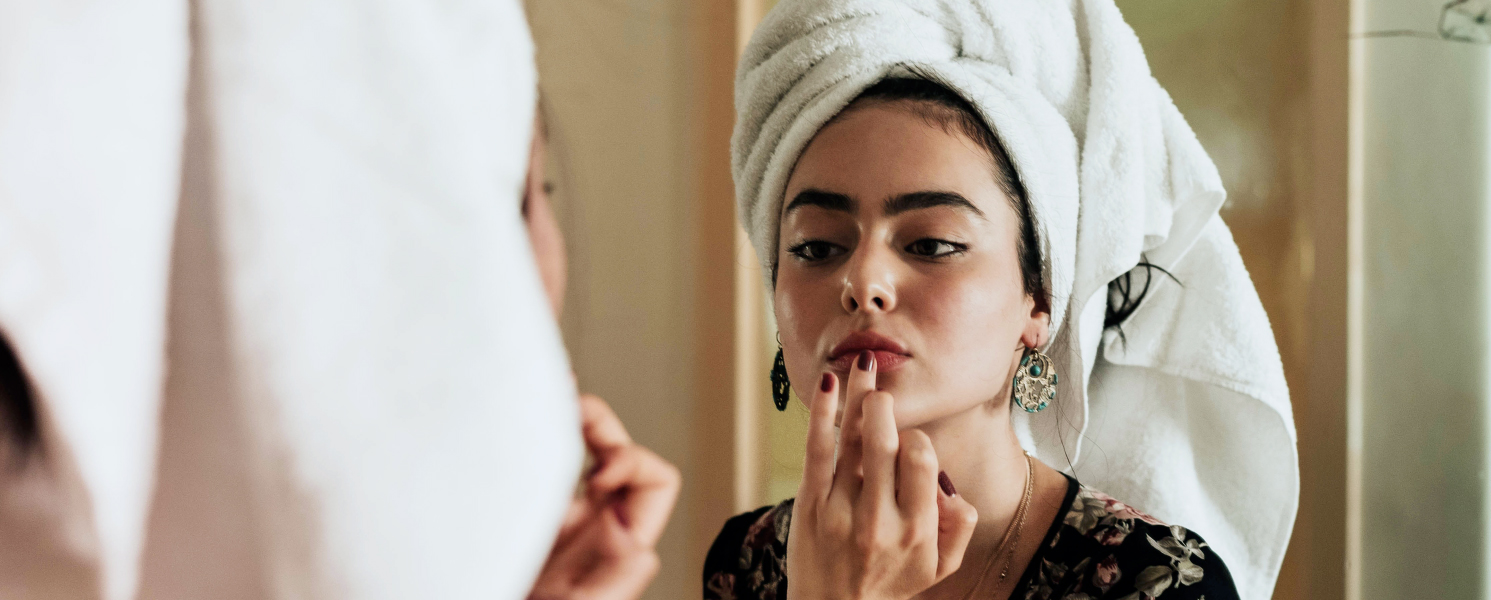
<point>881,445</point>
<point>834,531</point>
<point>868,541</point>
<point>916,438</point>
<point>968,518</point>
<point>921,456</point>
<point>915,535</point>
<point>835,527</point>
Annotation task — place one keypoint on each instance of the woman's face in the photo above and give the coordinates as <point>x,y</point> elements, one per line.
<point>896,238</point>
<point>543,228</point>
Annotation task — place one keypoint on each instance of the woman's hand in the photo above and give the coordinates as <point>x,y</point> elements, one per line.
<point>875,525</point>
<point>605,546</point>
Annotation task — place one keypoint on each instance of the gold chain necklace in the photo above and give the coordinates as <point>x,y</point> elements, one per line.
<point>1011,539</point>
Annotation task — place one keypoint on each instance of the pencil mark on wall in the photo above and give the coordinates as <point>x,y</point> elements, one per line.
<point>1467,21</point>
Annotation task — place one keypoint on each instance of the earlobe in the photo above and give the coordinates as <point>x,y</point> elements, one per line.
<point>1038,327</point>
<point>1036,330</point>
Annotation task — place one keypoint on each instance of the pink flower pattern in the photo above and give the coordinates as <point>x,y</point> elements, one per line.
<point>1106,574</point>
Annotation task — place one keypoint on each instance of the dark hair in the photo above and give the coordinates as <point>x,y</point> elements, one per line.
<point>1123,300</point>
<point>18,420</point>
<point>943,107</point>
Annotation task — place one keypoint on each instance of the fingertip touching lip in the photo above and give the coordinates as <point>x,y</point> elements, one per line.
<point>889,353</point>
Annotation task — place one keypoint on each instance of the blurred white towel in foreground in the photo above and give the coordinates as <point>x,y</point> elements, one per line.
<point>298,354</point>
<point>1186,415</point>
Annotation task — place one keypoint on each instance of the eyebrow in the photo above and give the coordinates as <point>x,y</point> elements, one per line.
<point>895,206</point>
<point>920,200</point>
<point>822,199</point>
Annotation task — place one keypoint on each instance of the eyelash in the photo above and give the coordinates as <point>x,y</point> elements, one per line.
<point>803,250</point>
<point>956,248</point>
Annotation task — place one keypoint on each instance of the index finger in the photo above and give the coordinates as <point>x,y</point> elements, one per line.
<point>601,427</point>
<point>818,459</point>
<point>851,443</point>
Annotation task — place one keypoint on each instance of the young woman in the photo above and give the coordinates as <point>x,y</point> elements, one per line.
<point>910,174</point>
<point>606,548</point>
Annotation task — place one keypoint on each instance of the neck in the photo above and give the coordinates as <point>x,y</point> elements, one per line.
<point>980,453</point>
<point>978,450</point>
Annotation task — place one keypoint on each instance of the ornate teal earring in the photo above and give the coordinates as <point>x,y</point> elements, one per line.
<point>781,389</point>
<point>1035,381</point>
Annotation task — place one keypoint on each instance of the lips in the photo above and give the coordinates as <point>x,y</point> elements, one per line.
<point>889,354</point>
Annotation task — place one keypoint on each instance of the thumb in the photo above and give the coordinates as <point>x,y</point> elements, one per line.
<point>955,521</point>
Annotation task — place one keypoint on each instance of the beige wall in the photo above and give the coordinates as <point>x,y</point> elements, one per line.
<point>1263,84</point>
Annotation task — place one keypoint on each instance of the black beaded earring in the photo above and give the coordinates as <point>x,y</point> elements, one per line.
<point>780,387</point>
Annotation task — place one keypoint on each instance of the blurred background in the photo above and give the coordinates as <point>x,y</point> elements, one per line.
<point>1354,137</point>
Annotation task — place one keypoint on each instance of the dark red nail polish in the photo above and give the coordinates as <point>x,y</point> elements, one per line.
<point>946,483</point>
<point>866,360</point>
<point>828,382</point>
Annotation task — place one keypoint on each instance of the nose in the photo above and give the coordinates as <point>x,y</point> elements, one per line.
<point>869,281</point>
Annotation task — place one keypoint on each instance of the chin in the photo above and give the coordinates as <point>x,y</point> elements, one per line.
<point>916,406</point>
<point>916,412</point>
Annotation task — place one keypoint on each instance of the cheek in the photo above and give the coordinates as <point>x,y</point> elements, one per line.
<point>548,250</point>
<point>960,314</point>
<point>804,308</point>
<point>969,326</point>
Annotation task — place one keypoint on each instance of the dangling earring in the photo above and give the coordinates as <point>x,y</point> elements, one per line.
<point>1035,381</point>
<point>780,387</point>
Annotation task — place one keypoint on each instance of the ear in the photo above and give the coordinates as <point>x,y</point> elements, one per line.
<point>1037,328</point>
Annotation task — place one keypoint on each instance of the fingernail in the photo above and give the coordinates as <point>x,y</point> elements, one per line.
<point>946,483</point>
<point>620,517</point>
<point>866,360</point>
<point>828,382</point>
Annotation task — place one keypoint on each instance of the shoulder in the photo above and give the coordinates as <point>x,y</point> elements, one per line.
<point>1104,548</point>
<point>747,560</point>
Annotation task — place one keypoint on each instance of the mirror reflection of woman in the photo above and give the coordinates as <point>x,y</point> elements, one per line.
<point>921,230</point>
<point>606,548</point>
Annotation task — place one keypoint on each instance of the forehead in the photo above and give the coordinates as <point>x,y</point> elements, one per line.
<point>875,152</point>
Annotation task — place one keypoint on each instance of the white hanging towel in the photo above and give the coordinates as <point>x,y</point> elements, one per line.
<point>351,302</point>
<point>1187,415</point>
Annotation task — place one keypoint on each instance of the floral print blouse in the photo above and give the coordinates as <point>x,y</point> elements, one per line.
<point>1099,549</point>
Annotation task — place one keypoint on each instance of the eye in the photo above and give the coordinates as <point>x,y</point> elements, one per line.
<point>815,250</point>
<point>934,248</point>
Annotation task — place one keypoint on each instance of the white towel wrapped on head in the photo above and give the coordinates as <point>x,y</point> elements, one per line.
<point>1190,416</point>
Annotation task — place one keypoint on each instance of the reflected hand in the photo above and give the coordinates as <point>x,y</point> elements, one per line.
<point>605,549</point>
<point>874,525</point>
